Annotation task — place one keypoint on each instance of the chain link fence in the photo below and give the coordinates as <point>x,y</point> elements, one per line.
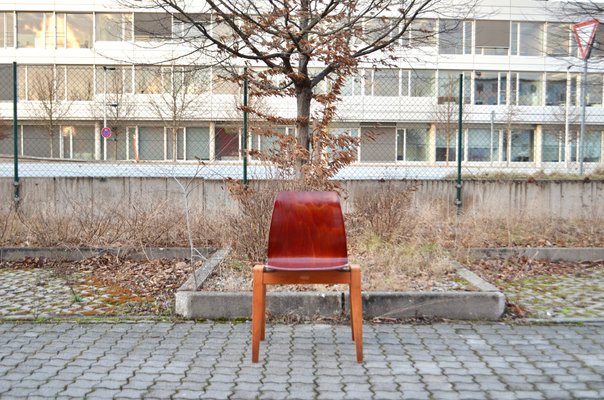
<point>131,120</point>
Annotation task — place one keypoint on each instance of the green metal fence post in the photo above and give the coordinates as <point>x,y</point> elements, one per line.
<point>245,128</point>
<point>459,144</point>
<point>15,139</point>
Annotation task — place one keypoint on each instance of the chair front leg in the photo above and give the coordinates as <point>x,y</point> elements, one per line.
<point>356,310</point>
<point>258,311</point>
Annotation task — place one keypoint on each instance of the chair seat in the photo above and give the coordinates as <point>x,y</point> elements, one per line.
<point>307,263</point>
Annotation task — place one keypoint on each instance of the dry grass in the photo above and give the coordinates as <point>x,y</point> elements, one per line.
<point>84,224</point>
<point>401,246</point>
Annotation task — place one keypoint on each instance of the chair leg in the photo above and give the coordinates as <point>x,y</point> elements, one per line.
<point>263,333</point>
<point>257,311</point>
<point>356,310</point>
<point>351,313</point>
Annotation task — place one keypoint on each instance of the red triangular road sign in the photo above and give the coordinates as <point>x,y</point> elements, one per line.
<point>585,32</point>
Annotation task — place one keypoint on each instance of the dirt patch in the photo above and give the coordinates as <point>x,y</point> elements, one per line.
<point>234,275</point>
<point>511,269</point>
<point>146,286</point>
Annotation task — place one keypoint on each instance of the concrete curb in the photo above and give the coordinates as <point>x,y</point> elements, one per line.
<point>543,253</point>
<point>488,303</point>
<point>78,254</point>
<point>487,306</point>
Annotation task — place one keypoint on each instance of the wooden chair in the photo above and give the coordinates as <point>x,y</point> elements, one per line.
<point>306,245</point>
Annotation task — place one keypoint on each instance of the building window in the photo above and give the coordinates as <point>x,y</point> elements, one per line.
<point>35,30</point>
<point>529,88</point>
<point>455,37</point>
<point>422,83</point>
<point>191,80</point>
<point>592,147</point>
<point>78,142</point>
<point>492,37</point>
<point>597,50</point>
<point>42,82</point>
<point>412,144</point>
<point>555,89</point>
<point>378,144</point>
<point>113,79</point>
<point>448,86</point>
<point>446,144</point>
<point>221,84</point>
<point>6,82</point>
<point>7,36</point>
<point>226,139</point>
<point>79,83</point>
<point>152,26</point>
<point>483,144</point>
<point>113,27</point>
<point>151,143</point>
<point>421,33</point>
<point>79,31</point>
<point>186,30</point>
<point>198,143</point>
<point>352,85</point>
<point>490,88</point>
<point>594,90</point>
<point>379,31</point>
<point>335,133</point>
<point>149,80</point>
<point>383,82</point>
<point>522,145</point>
<point>552,145</point>
<point>38,141</point>
<point>557,39</point>
<point>527,38</point>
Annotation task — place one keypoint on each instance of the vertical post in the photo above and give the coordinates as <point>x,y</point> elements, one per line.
<point>245,181</point>
<point>492,134</point>
<point>459,144</point>
<point>104,111</point>
<point>583,101</point>
<point>15,138</point>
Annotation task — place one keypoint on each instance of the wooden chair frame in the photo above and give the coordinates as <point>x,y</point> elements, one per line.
<point>264,276</point>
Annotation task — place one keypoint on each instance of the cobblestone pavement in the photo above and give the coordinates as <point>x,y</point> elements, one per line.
<point>33,293</point>
<point>577,295</point>
<point>212,360</point>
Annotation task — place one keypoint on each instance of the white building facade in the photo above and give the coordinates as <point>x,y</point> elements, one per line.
<point>96,63</point>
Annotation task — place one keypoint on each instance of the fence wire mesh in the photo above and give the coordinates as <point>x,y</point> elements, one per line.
<point>185,121</point>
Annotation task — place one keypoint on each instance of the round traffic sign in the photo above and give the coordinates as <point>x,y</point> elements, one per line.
<point>106,133</point>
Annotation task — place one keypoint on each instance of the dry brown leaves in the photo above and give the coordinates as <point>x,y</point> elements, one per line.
<point>153,280</point>
<point>516,268</point>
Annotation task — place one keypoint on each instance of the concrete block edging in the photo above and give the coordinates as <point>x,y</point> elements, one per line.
<point>487,303</point>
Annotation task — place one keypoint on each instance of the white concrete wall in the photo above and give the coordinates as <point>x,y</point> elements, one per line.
<point>569,199</point>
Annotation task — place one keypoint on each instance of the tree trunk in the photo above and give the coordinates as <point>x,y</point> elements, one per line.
<point>303,97</point>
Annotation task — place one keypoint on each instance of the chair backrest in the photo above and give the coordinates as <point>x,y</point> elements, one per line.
<point>307,232</point>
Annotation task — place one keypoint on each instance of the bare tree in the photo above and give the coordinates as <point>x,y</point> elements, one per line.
<point>115,104</point>
<point>46,92</point>
<point>177,101</point>
<point>289,38</point>
<point>446,113</point>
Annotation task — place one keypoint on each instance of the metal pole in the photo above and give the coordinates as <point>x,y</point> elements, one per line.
<point>492,134</point>
<point>245,181</point>
<point>583,101</point>
<point>104,110</point>
<point>15,138</point>
<point>459,144</point>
